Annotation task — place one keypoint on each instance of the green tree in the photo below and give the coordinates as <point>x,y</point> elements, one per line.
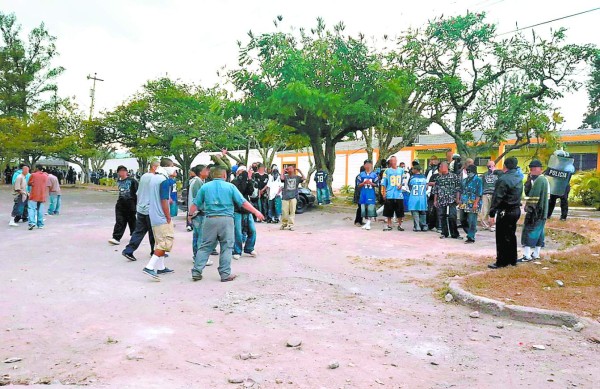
<point>592,117</point>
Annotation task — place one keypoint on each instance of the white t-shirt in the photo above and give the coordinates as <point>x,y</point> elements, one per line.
<point>275,187</point>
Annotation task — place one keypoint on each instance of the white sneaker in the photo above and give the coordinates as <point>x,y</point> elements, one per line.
<point>236,257</point>
<point>209,262</point>
<point>114,241</point>
<point>13,224</point>
<point>367,227</point>
<point>252,254</point>
<point>493,229</point>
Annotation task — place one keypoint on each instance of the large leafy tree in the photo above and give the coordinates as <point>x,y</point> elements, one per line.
<point>462,62</point>
<point>592,117</point>
<point>26,71</point>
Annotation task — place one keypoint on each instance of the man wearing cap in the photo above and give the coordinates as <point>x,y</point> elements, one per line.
<point>125,209</point>
<point>536,208</point>
<point>489,179</point>
<point>506,203</point>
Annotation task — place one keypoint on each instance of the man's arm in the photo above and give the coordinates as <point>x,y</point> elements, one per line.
<point>498,196</point>
<point>248,207</point>
<point>165,197</point>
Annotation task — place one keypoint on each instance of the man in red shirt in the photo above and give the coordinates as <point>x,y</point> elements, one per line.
<point>37,197</point>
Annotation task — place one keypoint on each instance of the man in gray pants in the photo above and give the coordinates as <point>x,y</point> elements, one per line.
<point>217,200</point>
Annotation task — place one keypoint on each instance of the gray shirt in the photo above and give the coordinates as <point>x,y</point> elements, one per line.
<point>290,187</point>
<point>159,189</point>
<point>143,194</point>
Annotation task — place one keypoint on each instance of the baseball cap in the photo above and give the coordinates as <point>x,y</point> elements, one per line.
<point>535,163</point>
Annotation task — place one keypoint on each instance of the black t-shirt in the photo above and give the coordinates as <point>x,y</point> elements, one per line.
<point>261,180</point>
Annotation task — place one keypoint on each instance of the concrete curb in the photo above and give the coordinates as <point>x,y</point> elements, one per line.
<point>516,312</point>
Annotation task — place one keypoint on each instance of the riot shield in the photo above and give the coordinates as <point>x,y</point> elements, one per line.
<point>559,174</point>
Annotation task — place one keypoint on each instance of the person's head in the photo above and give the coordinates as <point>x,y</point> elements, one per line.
<point>535,168</point>
<point>444,167</point>
<point>491,165</point>
<point>449,155</point>
<point>291,170</point>
<point>434,160</point>
<point>384,163</point>
<point>362,168</point>
<point>255,167</point>
<point>122,172</point>
<point>471,169</point>
<point>469,162</point>
<point>39,168</point>
<point>261,168</point>
<point>274,167</point>
<point>402,165</point>
<point>204,172</point>
<point>154,164</point>
<point>368,165</point>
<point>218,173</point>
<point>510,163</point>
<point>241,169</point>
<point>415,163</point>
<point>393,162</point>
<point>195,171</point>
<point>416,169</point>
<point>25,169</point>
<point>168,166</point>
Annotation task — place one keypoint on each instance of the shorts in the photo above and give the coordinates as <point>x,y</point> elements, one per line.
<point>368,210</point>
<point>164,235</point>
<point>393,206</point>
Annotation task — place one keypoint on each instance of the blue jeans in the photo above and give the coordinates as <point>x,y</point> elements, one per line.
<point>323,195</point>
<point>275,208</point>
<point>469,224</point>
<point>533,232</point>
<point>197,233</point>
<point>36,213</point>
<point>215,230</point>
<point>419,220</point>
<point>55,203</point>
<point>244,225</point>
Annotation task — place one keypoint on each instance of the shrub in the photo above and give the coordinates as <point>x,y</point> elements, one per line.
<point>108,181</point>
<point>347,190</point>
<point>585,186</point>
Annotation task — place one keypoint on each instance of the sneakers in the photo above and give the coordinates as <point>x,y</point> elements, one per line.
<point>469,240</point>
<point>209,262</point>
<point>493,229</point>
<point>524,259</point>
<point>236,256</point>
<point>113,241</point>
<point>282,227</point>
<point>196,277</point>
<point>12,223</point>
<point>151,273</point>
<point>290,228</point>
<point>129,256</point>
<point>189,228</point>
<point>31,227</point>
<point>215,252</point>
<point>400,228</point>
<point>387,228</point>
<point>252,254</point>
<point>166,270</point>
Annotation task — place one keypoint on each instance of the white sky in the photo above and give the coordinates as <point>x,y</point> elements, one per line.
<point>128,42</point>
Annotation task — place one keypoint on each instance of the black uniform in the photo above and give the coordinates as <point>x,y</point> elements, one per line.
<point>125,209</point>
<point>506,204</point>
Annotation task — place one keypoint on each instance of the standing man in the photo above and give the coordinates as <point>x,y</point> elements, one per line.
<point>37,197</point>
<point>20,187</point>
<point>217,198</point>
<point>125,209</point>
<point>54,191</point>
<point>472,190</point>
<point>142,223</point>
<point>392,192</point>
<point>417,202</point>
<point>289,197</point>
<point>243,220</point>
<point>446,197</point>
<point>489,183</point>
<point>261,179</point>
<point>433,221</point>
<point>322,187</point>
<point>537,189</point>
<point>564,197</point>
<point>160,218</point>
<point>196,219</point>
<point>192,181</point>
<point>368,182</point>
<point>506,203</point>
<point>358,220</point>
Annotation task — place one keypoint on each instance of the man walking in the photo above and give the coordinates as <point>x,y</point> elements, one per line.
<point>160,218</point>
<point>218,198</point>
<point>142,223</point>
<point>20,188</point>
<point>506,203</point>
<point>243,220</point>
<point>54,191</point>
<point>392,191</point>
<point>446,197</point>
<point>197,218</point>
<point>289,197</point>
<point>489,184</point>
<point>536,208</point>
<point>417,202</point>
<point>472,190</point>
<point>125,209</point>
<point>321,177</point>
<point>37,197</point>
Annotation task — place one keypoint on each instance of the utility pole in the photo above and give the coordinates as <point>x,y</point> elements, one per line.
<point>93,92</point>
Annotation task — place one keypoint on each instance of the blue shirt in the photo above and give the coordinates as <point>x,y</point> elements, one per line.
<point>321,179</point>
<point>160,189</point>
<point>218,198</point>
<point>472,188</point>
<point>417,200</point>
<point>392,181</point>
<point>17,174</point>
<point>367,193</point>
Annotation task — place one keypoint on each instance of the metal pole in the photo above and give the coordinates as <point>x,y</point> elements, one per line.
<point>93,92</point>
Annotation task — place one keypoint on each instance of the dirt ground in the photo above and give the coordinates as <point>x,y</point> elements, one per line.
<point>76,311</point>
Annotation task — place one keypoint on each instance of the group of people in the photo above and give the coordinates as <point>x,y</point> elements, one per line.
<point>450,195</point>
<point>32,191</point>
<point>221,211</point>
<point>66,176</point>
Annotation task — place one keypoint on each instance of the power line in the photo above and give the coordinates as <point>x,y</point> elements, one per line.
<point>550,21</point>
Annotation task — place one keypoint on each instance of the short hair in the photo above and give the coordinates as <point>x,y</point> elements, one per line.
<point>511,163</point>
<point>22,165</point>
<point>434,158</point>
<point>197,169</point>
<point>472,169</point>
<point>259,165</point>
<point>155,163</point>
<point>217,172</point>
<point>39,167</point>
<point>166,162</point>
<point>393,156</point>
<point>444,163</point>
<point>121,167</point>
<point>417,168</point>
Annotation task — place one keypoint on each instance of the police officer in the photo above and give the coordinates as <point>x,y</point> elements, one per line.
<point>506,204</point>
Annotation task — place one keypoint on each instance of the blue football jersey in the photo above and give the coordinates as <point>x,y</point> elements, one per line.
<point>418,193</point>
<point>392,181</point>
<point>367,193</point>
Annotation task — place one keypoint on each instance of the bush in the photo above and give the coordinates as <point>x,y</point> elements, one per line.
<point>585,186</point>
<point>347,190</point>
<point>108,181</point>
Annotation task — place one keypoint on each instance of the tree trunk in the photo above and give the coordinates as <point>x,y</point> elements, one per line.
<point>368,136</point>
<point>142,164</point>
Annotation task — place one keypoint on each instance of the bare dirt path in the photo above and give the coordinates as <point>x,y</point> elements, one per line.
<point>76,311</point>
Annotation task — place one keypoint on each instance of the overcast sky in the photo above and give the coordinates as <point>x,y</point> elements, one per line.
<point>128,42</point>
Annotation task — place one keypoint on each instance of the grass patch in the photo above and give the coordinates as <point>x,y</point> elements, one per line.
<point>577,265</point>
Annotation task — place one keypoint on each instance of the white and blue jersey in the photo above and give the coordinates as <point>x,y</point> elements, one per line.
<point>392,181</point>
<point>418,193</point>
<point>367,193</point>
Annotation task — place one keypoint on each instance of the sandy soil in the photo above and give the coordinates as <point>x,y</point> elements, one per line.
<point>76,311</point>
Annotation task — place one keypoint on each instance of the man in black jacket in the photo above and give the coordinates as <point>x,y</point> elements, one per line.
<point>506,204</point>
<point>245,229</point>
<point>125,209</point>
